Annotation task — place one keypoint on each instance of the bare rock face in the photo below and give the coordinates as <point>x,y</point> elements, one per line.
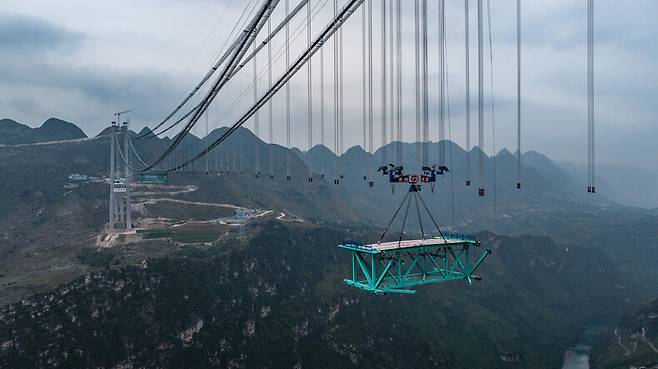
<point>188,334</point>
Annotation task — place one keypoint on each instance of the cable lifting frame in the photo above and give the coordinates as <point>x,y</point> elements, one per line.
<point>399,266</point>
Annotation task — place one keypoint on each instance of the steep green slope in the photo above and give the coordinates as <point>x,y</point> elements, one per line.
<point>13,132</point>
<point>278,301</point>
<point>55,129</point>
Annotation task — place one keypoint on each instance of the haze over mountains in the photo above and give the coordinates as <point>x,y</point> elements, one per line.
<point>277,284</point>
<point>627,185</point>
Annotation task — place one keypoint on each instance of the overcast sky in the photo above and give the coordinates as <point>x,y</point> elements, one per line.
<point>82,60</point>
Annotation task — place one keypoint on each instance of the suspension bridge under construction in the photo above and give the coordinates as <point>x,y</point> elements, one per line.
<point>390,265</point>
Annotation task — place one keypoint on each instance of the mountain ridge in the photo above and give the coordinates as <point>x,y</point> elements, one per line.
<point>53,129</point>
<point>324,161</point>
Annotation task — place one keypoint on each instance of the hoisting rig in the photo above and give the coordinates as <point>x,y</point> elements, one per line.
<point>399,266</point>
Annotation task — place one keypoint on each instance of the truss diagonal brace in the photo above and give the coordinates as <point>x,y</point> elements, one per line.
<point>480,261</point>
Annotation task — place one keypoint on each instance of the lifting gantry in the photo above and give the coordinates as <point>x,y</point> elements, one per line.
<point>398,266</point>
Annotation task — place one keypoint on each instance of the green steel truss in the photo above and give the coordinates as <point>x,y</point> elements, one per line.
<point>400,270</point>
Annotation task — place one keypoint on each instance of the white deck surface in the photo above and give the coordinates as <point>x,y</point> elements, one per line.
<point>384,246</point>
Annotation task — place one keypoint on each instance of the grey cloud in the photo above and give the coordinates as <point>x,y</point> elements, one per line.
<point>25,34</point>
<point>86,86</point>
<point>26,104</point>
<point>553,85</point>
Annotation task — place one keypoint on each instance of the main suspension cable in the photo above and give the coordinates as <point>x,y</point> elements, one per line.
<point>278,28</point>
<point>278,55</point>
<point>123,157</point>
<point>132,146</point>
<point>246,59</point>
<point>209,74</point>
<point>346,12</point>
<point>250,34</point>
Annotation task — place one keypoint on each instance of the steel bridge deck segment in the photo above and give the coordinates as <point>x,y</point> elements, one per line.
<point>398,267</point>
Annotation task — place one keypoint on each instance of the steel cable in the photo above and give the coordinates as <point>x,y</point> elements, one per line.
<point>344,14</point>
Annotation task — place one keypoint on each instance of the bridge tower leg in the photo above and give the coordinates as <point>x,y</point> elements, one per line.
<point>120,215</point>
<point>112,178</point>
<point>126,150</point>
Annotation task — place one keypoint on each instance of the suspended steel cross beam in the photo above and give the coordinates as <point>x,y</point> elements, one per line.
<point>398,267</point>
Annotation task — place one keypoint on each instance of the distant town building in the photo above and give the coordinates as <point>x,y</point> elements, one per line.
<point>76,177</point>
